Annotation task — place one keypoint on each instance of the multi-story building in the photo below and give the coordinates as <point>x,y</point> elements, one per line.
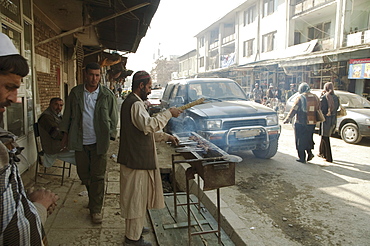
<point>187,64</point>
<point>279,42</point>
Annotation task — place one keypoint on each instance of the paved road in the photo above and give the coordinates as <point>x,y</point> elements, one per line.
<point>284,202</point>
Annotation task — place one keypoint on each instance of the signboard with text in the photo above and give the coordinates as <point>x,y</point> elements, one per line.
<point>359,69</point>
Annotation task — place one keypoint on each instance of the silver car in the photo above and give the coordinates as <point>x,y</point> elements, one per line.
<point>356,124</point>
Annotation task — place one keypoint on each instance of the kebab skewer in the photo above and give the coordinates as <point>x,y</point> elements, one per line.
<point>192,104</point>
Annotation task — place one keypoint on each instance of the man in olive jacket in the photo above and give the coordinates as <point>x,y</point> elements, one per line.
<point>89,122</point>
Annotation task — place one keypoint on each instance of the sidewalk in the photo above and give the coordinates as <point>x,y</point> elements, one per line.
<point>70,223</point>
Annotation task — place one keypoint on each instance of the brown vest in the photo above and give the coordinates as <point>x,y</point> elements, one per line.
<point>136,150</point>
<point>308,116</point>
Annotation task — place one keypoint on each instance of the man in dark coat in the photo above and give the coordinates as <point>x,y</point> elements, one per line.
<point>329,107</point>
<point>51,136</point>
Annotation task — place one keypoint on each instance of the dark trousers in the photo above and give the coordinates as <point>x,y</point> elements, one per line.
<point>91,169</point>
<point>304,139</point>
<point>325,149</point>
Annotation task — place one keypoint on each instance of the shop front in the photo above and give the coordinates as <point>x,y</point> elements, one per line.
<point>16,22</point>
<point>359,76</point>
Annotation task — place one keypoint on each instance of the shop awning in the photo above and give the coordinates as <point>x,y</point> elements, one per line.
<point>322,56</point>
<point>114,24</point>
<point>310,58</point>
<point>299,49</point>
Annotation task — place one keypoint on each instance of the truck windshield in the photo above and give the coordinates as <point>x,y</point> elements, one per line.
<point>219,90</point>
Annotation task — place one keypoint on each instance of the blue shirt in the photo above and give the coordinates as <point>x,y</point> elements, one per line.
<point>89,136</point>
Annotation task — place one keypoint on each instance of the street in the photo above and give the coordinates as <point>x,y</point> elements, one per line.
<point>284,202</point>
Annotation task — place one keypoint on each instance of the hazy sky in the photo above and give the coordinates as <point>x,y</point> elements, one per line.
<point>174,26</point>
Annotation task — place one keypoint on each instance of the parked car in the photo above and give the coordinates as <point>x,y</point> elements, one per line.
<point>154,101</point>
<point>227,118</point>
<point>356,124</point>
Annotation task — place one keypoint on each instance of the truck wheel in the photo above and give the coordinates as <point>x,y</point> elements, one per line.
<point>267,153</point>
<point>350,133</point>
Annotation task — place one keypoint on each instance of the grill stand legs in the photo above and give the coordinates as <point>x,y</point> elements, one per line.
<point>190,172</point>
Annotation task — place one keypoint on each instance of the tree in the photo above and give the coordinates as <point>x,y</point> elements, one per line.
<point>163,70</point>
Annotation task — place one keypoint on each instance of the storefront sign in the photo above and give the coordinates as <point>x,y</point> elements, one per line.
<point>359,69</point>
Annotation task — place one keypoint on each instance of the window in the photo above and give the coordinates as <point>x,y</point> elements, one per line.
<point>181,91</point>
<point>11,9</point>
<point>27,8</point>
<point>297,38</point>
<point>28,78</point>
<point>201,61</point>
<point>320,31</point>
<point>201,42</point>
<point>268,42</point>
<point>248,48</point>
<point>268,7</point>
<point>15,117</point>
<point>174,92</point>
<point>249,15</point>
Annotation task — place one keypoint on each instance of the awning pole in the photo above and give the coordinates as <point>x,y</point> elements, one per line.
<point>94,23</point>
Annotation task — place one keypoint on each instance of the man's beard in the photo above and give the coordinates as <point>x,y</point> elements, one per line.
<point>5,104</point>
<point>143,94</point>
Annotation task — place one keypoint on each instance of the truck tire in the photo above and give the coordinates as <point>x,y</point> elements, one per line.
<point>267,153</point>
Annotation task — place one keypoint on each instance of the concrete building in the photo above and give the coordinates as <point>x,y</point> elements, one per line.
<point>279,42</point>
<point>187,64</point>
<point>58,38</point>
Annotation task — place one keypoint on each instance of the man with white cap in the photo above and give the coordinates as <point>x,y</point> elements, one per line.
<point>21,220</point>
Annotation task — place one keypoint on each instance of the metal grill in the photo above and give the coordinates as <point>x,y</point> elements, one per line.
<point>239,123</point>
<point>211,164</point>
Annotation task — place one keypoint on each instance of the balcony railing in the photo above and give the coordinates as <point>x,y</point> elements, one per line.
<point>228,39</point>
<point>360,37</point>
<point>309,4</point>
<point>214,45</point>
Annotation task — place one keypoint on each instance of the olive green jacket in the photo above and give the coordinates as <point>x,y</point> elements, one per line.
<point>105,118</point>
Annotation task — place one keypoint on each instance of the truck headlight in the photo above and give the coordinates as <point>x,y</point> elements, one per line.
<point>213,124</point>
<point>272,120</point>
<point>367,121</point>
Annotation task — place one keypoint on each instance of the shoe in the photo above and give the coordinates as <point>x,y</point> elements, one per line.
<point>302,161</point>
<point>140,242</point>
<point>321,155</point>
<point>145,231</point>
<point>309,157</point>
<point>96,218</point>
<point>329,160</point>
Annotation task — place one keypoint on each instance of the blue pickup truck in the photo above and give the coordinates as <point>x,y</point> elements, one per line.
<point>227,118</point>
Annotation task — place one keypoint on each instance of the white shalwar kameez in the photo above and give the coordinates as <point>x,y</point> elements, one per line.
<point>142,189</point>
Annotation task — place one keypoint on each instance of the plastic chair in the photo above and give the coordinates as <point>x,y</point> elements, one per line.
<point>40,153</point>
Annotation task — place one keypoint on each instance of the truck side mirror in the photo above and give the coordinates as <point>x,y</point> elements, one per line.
<point>179,100</point>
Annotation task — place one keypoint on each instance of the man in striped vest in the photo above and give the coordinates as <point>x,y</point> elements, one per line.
<point>305,107</point>
<point>20,219</point>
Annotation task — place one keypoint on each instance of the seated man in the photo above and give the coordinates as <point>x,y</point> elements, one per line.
<point>51,137</point>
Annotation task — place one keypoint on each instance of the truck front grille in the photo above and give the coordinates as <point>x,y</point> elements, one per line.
<point>240,123</point>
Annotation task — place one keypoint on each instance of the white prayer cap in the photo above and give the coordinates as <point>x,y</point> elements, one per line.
<point>6,46</point>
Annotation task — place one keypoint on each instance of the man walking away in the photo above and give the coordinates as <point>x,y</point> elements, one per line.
<point>305,107</point>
